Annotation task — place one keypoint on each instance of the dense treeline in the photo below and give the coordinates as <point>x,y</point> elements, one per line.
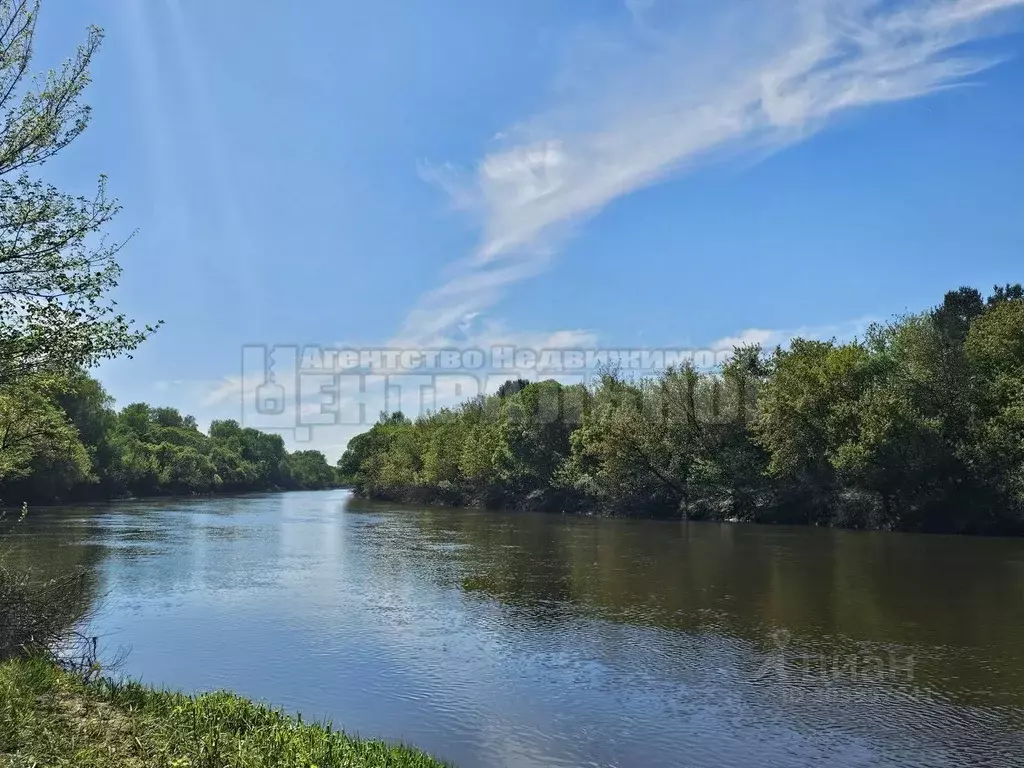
<point>917,426</point>
<point>60,439</point>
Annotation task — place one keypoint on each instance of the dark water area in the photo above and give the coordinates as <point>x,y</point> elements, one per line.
<point>525,640</point>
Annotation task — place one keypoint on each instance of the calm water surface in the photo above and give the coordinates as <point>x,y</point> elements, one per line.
<point>530,640</point>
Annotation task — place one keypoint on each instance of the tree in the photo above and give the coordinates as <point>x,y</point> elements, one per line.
<point>64,466</point>
<point>444,438</point>
<point>35,432</point>
<point>995,352</point>
<point>351,462</point>
<point>959,308</point>
<point>807,410</point>
<point>476,459</point>
<point>534,441</point>
<point>89,408</point>
<point>512,386</point>
<point>621,457</point>
<point>309,469</point>
<point>56,267</point>
<point>183,469</point>
<point>729,473</point>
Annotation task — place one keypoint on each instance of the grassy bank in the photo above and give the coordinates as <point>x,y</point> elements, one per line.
<point>48,718</point>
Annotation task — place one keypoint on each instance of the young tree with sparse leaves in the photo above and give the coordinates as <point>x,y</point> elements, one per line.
<point>57,266</point>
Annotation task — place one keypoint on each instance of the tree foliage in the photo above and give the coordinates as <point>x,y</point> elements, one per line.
<point>917,426</point>
<point>65,441</point>
<point>57,267</point>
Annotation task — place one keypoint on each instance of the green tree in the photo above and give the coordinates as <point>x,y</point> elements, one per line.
<point>995,351</point>
<point>183,469</point>
<point>67,468</point>
<point>310,470</point>
<point>56,269</point>
<point>534,441</point>
<point>621,453</point>
<point>808,409</point>
<point>35,432</point>
<point>444,437</point>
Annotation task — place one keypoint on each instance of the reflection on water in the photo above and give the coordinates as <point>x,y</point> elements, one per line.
<point>534,640</point>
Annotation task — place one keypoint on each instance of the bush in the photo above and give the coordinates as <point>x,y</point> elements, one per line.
<point>39,618</point>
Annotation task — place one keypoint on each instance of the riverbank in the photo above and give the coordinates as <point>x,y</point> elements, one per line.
<point>50,718</point>
<point>916,426</point>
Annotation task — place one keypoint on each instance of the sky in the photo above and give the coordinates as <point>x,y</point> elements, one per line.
<point>617,174</point>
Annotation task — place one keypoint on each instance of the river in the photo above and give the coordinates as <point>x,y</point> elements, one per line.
<point>536,641</point>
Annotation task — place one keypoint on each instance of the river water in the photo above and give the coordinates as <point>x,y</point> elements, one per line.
<point>523,640</point>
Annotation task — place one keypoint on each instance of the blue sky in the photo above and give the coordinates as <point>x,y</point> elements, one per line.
<point>640,173</point>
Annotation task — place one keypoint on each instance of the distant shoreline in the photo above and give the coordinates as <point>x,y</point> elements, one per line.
<point>772,517</point>
<point>171,497</point>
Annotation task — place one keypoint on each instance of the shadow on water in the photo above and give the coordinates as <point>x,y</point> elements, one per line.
<point>945,614</point>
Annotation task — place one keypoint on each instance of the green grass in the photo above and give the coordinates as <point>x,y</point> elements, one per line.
<point>48,718</point>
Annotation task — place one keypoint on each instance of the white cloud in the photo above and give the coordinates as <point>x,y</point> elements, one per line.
<point>766,338</point>
<point>488,334</point>
<point>749,76</point>
<point>771,338</point>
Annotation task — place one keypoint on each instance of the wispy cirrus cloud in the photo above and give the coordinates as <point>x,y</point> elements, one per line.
<point>668,91</point>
